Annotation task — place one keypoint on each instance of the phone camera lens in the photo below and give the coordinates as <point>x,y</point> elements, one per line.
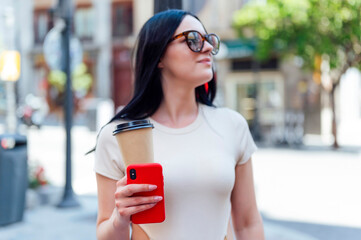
<point>133,174</point>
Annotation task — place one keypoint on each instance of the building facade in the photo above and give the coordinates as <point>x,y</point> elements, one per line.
<point>279,101</point>
<point>271,95</point>
<point>106,31</point>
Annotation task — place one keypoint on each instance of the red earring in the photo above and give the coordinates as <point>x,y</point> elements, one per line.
<point>206,87</point>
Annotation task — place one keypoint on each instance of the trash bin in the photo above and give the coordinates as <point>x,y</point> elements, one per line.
<point>13,177</point>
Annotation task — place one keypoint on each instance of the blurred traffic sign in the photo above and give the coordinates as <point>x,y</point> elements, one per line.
<point>54,53</point>
<point>10,65</point>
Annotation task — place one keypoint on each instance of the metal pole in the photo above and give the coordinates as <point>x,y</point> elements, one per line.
<point>162,5</point>
<point>256,131</point>
<point>11,106</point>
<point>69,199</point>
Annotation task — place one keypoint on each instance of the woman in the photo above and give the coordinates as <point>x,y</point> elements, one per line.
<point>205,151</point>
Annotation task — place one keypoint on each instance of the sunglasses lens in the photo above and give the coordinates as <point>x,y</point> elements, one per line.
<point>194,41</point>
<point>214,41</point>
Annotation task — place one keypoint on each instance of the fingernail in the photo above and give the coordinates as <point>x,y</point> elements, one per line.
<point>158,198</point>
<point>152,187</point>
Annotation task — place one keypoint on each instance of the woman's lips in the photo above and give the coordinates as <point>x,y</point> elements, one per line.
<point>207,61</point>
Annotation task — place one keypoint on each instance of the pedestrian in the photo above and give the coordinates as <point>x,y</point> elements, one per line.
<point>205,150</point>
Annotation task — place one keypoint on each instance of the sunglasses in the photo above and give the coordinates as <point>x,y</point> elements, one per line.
<point>195,40</point>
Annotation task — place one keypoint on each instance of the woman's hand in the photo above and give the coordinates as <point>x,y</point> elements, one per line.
<point>126,204</point>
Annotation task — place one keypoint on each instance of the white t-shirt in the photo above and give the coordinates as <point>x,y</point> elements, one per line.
<point>198,162</point>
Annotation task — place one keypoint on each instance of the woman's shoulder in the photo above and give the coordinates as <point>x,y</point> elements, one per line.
<point>105,134</point>
<point>107,154</point>
<point>224,115</point>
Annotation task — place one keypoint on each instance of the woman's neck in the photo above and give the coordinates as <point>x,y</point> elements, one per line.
<point>177,109</point>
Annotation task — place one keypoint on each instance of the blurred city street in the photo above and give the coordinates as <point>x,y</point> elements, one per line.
<point>305,193</point>
<point>292,69</point>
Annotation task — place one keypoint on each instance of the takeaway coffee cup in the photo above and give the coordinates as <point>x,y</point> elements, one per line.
<point>135,141</point>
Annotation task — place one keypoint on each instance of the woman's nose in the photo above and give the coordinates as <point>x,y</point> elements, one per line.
<point>207,47</point>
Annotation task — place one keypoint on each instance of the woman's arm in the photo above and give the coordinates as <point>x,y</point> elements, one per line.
<point>116,205</point>
<point>109,223</point>
<point>247,221</point>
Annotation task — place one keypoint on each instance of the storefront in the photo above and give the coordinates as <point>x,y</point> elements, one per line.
<point>268,94</point>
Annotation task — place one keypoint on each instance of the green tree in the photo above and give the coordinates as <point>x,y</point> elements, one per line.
<point>312,29</point>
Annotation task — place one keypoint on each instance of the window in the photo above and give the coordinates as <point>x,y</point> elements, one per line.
<point>84,23</point>
<point>247,64</point>
<point>122,19</point>
<point>193,6</point>
<point>259,98</point>
<point>42,24</point>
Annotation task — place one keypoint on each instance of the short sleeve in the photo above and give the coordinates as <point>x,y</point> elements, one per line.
<point>107,155</point>
<point>245,143</point>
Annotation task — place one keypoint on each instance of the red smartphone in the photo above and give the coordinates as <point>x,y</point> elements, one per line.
<point>149,173</point>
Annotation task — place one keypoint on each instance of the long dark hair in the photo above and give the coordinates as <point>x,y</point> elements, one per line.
<point>152,43</point>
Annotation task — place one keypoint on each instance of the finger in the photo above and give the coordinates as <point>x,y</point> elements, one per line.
<point>136,201</point>
<point>130,189</point>
<point>141,208</point>
<point>135,209</point>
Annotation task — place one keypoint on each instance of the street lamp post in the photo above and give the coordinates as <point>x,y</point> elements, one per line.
<point>65,11</point>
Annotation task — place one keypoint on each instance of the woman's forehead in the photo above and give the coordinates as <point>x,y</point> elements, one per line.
<point>190,23</point>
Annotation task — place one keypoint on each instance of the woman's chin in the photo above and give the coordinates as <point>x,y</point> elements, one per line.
<point>205,81</point>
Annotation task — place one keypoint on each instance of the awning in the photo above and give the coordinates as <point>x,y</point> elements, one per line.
<point>237,48</point>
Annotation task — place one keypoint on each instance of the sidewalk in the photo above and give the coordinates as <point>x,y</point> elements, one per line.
<point>303,194</point>
<point>312,190</point>
<point>309,185</point>
<point>49,222</point>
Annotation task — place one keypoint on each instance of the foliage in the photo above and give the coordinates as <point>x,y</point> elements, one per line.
<point>81,80</point>
<point>318,31</point>
<point>306,28</point>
